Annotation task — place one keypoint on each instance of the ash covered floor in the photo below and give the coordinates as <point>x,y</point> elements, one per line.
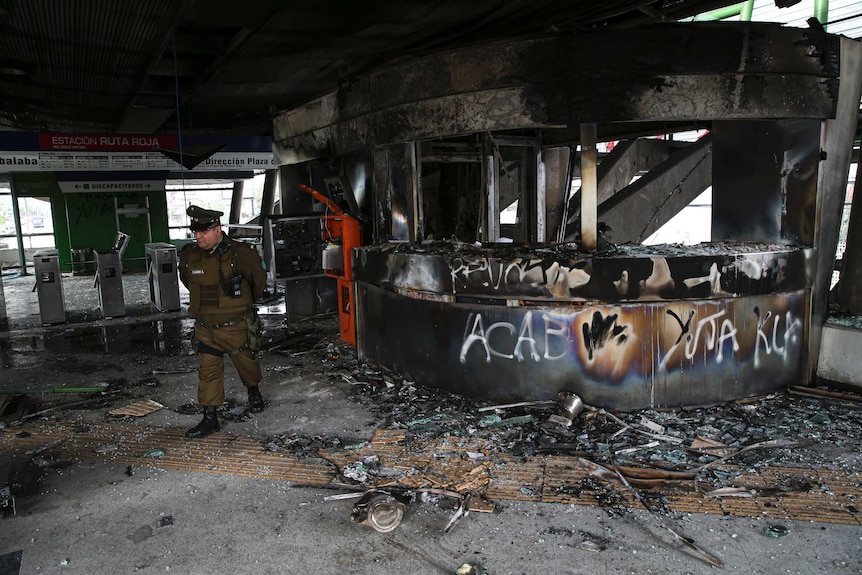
<point>765,483</point>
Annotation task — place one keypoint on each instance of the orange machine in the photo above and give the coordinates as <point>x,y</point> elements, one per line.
<point>340,229</point>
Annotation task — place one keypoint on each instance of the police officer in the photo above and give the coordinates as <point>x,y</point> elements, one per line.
<point>224,278</point>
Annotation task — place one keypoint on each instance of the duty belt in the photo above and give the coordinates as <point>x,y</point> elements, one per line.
<point>225,324</point>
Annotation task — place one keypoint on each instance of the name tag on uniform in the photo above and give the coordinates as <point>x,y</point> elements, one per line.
<point>197,272</point>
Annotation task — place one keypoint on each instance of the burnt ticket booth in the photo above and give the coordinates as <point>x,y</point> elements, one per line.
<point>502,276</point>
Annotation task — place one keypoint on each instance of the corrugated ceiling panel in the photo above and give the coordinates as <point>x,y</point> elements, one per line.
<point>846,15</point>
<point>81,54</point>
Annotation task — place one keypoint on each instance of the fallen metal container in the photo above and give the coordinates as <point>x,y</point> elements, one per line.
<point>380,510</point>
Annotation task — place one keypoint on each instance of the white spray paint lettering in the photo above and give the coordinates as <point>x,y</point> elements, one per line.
<point>791,327</point>
<point>496,274</point>
<point>713,336</point>
<point>553,329</point>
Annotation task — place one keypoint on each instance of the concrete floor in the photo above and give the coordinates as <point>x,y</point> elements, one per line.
<point>79,516</point>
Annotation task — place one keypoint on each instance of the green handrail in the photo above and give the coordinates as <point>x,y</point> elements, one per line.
<point>821,11</point>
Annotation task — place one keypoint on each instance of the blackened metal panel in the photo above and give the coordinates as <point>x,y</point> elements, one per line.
<point>799,173</point>
<point>385,266</point>
<point>598,63</point>
<point>401,182</point>
<point>671,72</point>
<point>292,199</point>
<point>557,181</point>
<point>628,356</point>
<point>382,197</point>
<point>764,180</point>
<point>556,274</point>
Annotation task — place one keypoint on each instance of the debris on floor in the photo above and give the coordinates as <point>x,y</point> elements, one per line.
<point>137,409</point>
<point>381,510</point>
<point>464,454</point>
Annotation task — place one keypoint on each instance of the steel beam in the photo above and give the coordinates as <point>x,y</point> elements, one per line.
<point>837,146</point>
<point>638,210</point>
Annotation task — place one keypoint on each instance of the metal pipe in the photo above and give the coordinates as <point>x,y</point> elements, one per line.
<point>746,10</point>
<point>723,13</point>
<point>821,11</point>
<point>16,215</point>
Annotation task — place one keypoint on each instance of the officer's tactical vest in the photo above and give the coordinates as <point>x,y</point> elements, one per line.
<point>208,275</point>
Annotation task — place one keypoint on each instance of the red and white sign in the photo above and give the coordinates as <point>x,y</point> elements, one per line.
<point>105,142</point>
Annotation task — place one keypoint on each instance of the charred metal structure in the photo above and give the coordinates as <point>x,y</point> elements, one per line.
<point>452,294</point>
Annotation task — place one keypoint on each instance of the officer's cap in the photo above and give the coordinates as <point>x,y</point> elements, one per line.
<point>203,219</point>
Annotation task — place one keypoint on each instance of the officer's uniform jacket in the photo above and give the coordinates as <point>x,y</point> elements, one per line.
<point>207,275</point>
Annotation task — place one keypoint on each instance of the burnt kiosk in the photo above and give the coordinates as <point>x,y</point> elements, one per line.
<point>492,274</point>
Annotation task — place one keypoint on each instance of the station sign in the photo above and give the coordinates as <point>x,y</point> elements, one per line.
<point>56,152</point>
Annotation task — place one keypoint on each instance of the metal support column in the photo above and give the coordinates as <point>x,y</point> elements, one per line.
<point>492,192</point>
<point>16,215</point>
<point>837,144</point>
<point>267,202</point>
<point>849,292</point>
<point>236,202</point>
<point>589,188</point>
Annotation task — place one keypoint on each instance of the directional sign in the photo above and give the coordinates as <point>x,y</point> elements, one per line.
<point>112,186</point>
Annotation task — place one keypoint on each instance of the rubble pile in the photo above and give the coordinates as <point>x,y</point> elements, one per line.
<point>798,428</point>
<point>462,445</point>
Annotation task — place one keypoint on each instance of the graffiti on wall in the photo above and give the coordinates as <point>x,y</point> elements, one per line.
<point>646,327</point>
<point>507,276</point>
<point>636,274</point>
<point>609,342</point>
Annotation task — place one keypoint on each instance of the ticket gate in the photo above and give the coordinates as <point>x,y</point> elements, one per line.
<point>109,281</point>
<point>162,276</point>
<point>49,286</point>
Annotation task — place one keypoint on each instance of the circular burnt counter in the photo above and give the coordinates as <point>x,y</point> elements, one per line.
<point>637,327</point>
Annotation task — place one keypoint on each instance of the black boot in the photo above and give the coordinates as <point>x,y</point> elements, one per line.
<point>209,424</point>
<point>255,400</point>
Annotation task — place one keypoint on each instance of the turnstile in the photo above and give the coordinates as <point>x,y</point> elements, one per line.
<point>49,286</point>
<point>109,280</point>
<point>162,276</point>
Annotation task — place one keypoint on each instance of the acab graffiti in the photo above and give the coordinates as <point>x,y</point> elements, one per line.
<point>547,339</point>
<point>605,345</point>
<point>515,346</point>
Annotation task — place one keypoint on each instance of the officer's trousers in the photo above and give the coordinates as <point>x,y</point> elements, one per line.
<point>217,341</point>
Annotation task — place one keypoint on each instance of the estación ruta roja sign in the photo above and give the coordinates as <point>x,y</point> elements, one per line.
<point>102,142</point>
<point>60,152</point>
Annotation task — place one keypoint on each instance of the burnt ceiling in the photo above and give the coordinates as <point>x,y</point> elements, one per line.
<point>227,65</point>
